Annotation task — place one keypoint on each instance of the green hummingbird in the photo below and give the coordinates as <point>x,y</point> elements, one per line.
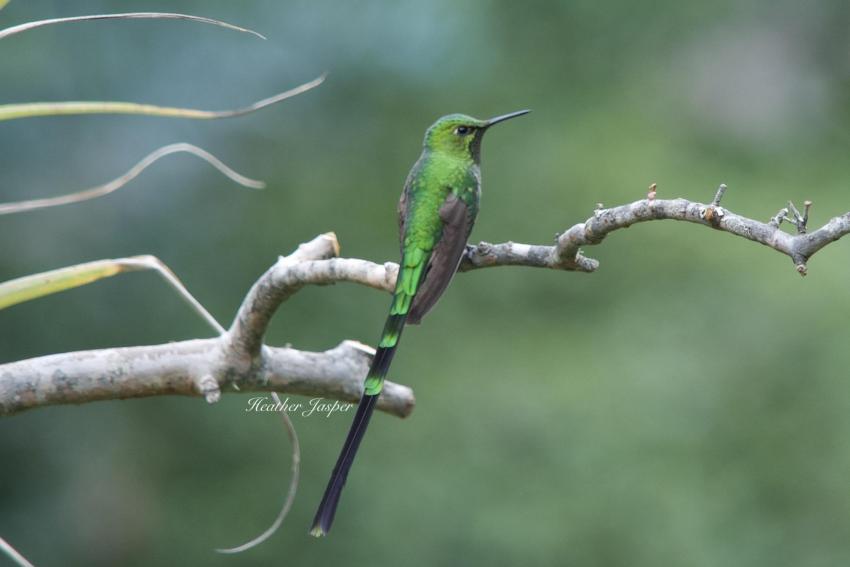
<point>436,212</point>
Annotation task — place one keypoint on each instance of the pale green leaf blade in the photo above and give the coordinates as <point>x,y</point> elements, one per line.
<point>33,109</point>
<point>31,287</point>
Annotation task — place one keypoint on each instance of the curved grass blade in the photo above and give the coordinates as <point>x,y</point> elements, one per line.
<point>31,287</point>
<point>293,487</point>
<point>33,109</point>
<point>5,547</point>
<point>46,283</point>
<point>115,184</point>
<point>127,16</point>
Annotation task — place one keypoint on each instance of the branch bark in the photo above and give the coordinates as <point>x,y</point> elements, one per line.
<point>566,254</point>
<point>238,359</point>
<point>181,368</point>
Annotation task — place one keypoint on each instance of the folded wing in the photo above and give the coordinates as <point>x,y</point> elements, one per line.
<point>445,258</point>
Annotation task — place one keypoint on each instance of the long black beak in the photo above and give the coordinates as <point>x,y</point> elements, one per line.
<point>504,117</point>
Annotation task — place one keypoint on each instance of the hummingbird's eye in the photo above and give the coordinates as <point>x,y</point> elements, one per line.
<point>462,130</point>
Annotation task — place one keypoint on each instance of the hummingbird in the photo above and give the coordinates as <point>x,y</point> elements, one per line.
<point>436,212</point>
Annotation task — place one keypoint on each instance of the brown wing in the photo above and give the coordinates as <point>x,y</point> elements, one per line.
<point>447,254</point>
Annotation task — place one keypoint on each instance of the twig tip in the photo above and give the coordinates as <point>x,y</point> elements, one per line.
<point>208,388</point>
<point>719,195</point>
<point>334,242</point>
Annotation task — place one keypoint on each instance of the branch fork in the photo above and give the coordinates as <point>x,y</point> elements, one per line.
<point>239,360</point>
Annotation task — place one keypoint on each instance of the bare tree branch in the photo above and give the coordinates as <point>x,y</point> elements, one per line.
<point>313,262</point>
<point>206,366</point>
<point>566,253</point>
<point>238,358</point>
<point>181,368</point>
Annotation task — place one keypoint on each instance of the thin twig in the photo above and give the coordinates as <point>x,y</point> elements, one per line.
<point>800,219</point>
<point>719,195</point>
<point>777,219</point>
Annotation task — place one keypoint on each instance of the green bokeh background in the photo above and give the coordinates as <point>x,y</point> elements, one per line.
<point>688,404</point>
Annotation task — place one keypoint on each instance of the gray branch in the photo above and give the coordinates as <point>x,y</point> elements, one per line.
<point>566,253</point>
<point>181,368</point>
<point>238,359</point>
<point>234,361</point>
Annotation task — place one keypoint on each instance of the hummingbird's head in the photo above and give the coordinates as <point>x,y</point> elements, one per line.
<point>460,135</point>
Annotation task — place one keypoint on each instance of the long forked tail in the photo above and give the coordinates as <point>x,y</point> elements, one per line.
<point>374,382</point>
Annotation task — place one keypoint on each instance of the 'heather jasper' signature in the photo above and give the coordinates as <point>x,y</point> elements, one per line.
<point>316,406</point>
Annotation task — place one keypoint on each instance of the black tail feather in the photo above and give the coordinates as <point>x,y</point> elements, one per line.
<point>381,361</point>
<point>380,365</point>
<point>327,509</point>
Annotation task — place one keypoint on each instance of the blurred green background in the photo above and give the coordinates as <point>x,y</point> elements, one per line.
<point>688,404</point>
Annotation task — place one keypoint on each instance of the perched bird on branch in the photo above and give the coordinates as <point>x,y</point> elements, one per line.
<point>436,212</point>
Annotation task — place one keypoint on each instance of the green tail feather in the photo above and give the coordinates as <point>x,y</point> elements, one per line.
<point>408,281</point>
